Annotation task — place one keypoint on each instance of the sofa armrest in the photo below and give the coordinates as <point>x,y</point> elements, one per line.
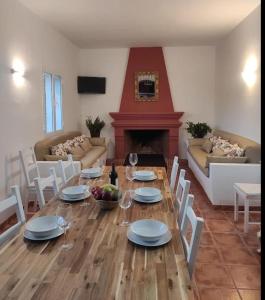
<point>97,141</point>
<point>196,141</point>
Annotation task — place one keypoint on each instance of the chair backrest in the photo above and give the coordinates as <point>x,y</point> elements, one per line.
<point>182,191</point>
<point>29,164</point>
<point>191,248</point>
<point>67,169</point>
<point>174,172</point>
<point>42,183</point>
<point>12,201</point>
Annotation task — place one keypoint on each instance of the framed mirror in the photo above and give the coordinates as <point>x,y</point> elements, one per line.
<point>146,86</point>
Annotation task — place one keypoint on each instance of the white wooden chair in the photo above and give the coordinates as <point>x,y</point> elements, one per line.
<point>31,170</point>
<point>67,169</point>
<point>182,192</point>
<point>12,201</point>
<point>42,183</point>
<point>191,248</point>
<point>174,172</point>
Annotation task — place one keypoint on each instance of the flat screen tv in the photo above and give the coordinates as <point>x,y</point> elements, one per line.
<point>91,85</point>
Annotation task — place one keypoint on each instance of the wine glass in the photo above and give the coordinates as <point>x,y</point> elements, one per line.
<point>101,164</point>
<point>125,202</point>
<point>64,218</point>
<point>129,173</point>
<point>133,159</point>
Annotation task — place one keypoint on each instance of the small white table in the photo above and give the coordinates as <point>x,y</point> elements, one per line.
<point>248,192</point>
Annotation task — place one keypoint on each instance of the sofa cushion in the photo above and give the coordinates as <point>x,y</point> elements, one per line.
<point>90,157</point>
<point>207,146</point>
<point>218,152</point>
<point>200,157</point>
<point>225,159</point>
<point>86,145</point>
<point>77,150</point>
<point>59,150</point>
<point>253,154</point>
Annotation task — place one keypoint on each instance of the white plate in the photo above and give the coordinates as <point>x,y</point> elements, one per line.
<point>147,193</point>
<point>91,171</point>
<point>82,197</point>
<point>74,191</point>
<point>135,239</point>
<point>157,199</point>
<point>88,176</point>
<point>42,226</point>
<point>30,236</point>
<point>144,174</point>
<point>148,229</point>
<point>145,179</point>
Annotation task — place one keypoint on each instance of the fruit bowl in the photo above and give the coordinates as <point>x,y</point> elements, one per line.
<point>107,205</point>
<point>106,196</point>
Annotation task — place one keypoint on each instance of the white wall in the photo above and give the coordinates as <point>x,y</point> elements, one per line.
<point>238,106</point>
<point>23,35</point>
<point>191,76</point>
<point>109,63</point>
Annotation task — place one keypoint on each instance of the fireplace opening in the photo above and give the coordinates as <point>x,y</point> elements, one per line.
<point>147,141</point>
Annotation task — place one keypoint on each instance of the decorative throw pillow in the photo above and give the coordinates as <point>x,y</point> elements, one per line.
<point>58,150</point>
<point>218,151</point>
<point>207,146</point>
<point>86,145</point>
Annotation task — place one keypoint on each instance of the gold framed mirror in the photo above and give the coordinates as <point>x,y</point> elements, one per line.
<point>146,86</point>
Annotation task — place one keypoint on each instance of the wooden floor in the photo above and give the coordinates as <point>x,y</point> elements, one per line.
<point>228,265</point>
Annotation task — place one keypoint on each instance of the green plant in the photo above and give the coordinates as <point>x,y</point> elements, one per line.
<point>198,130</point>
<point>94,127</point>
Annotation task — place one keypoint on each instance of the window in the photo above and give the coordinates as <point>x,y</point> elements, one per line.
<point>53,111</point>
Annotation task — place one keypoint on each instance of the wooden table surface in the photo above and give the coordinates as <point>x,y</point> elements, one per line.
<point>103,264</point>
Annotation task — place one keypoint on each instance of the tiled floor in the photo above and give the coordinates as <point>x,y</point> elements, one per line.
<point>228,265</point>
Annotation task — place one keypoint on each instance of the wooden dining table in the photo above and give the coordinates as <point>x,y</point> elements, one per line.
<point>103,264</point>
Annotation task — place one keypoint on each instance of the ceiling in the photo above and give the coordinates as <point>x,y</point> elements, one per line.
<point>128,23</point>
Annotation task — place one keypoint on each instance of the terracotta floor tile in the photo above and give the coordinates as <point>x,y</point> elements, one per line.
<point>250,294</point>
<point>246,277</point>
<point>218,294</point>
<point>214,214</point>
<point>227,239</point>
<point>240,256</point>
<point>220,226</point>
<point>250,239</point>
<point>252,229</point>
<point>213,275</point>
<point>208,255</point>
<point>206,239</point>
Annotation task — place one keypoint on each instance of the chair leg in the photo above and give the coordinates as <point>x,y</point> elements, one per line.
<point>235,206</point>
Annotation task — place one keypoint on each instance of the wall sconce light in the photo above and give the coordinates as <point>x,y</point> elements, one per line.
<point>249,73</point>
<point>18,71</point>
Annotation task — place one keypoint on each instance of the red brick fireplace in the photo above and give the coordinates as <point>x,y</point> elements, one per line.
<point>155,115</point>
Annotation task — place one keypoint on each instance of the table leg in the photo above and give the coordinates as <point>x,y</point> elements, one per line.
<point>246,215</point>
<point>235,206</point>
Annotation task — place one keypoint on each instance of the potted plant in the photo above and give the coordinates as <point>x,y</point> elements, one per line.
<point>95,127</point>
<point>198,130</point>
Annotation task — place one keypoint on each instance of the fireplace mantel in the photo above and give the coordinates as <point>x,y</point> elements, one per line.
<point>146,121</point>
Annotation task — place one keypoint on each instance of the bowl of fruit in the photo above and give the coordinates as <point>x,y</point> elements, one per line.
<point>106,196</point>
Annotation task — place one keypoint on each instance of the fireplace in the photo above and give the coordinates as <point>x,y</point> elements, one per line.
<point>146,141</point>
<point>146,126</point>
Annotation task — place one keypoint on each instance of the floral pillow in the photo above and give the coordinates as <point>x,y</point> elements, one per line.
<point>65,148</point>
<point>58,150</point>
<point>229,150</point>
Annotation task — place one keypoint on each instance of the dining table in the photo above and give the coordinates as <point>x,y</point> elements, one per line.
<point>102,264</point>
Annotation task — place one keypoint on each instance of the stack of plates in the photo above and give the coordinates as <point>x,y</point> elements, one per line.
<point>149,233</point>
<point>42,228</point>
<point>75,193</point>
<point>91,172</point>
<point>147,195</point>
<point>144,175</point>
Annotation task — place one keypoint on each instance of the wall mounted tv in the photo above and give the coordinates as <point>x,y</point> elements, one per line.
<point>91,85</point>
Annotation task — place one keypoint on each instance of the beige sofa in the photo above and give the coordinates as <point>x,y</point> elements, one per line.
<point>87,158</point>
<point>217,174</point>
